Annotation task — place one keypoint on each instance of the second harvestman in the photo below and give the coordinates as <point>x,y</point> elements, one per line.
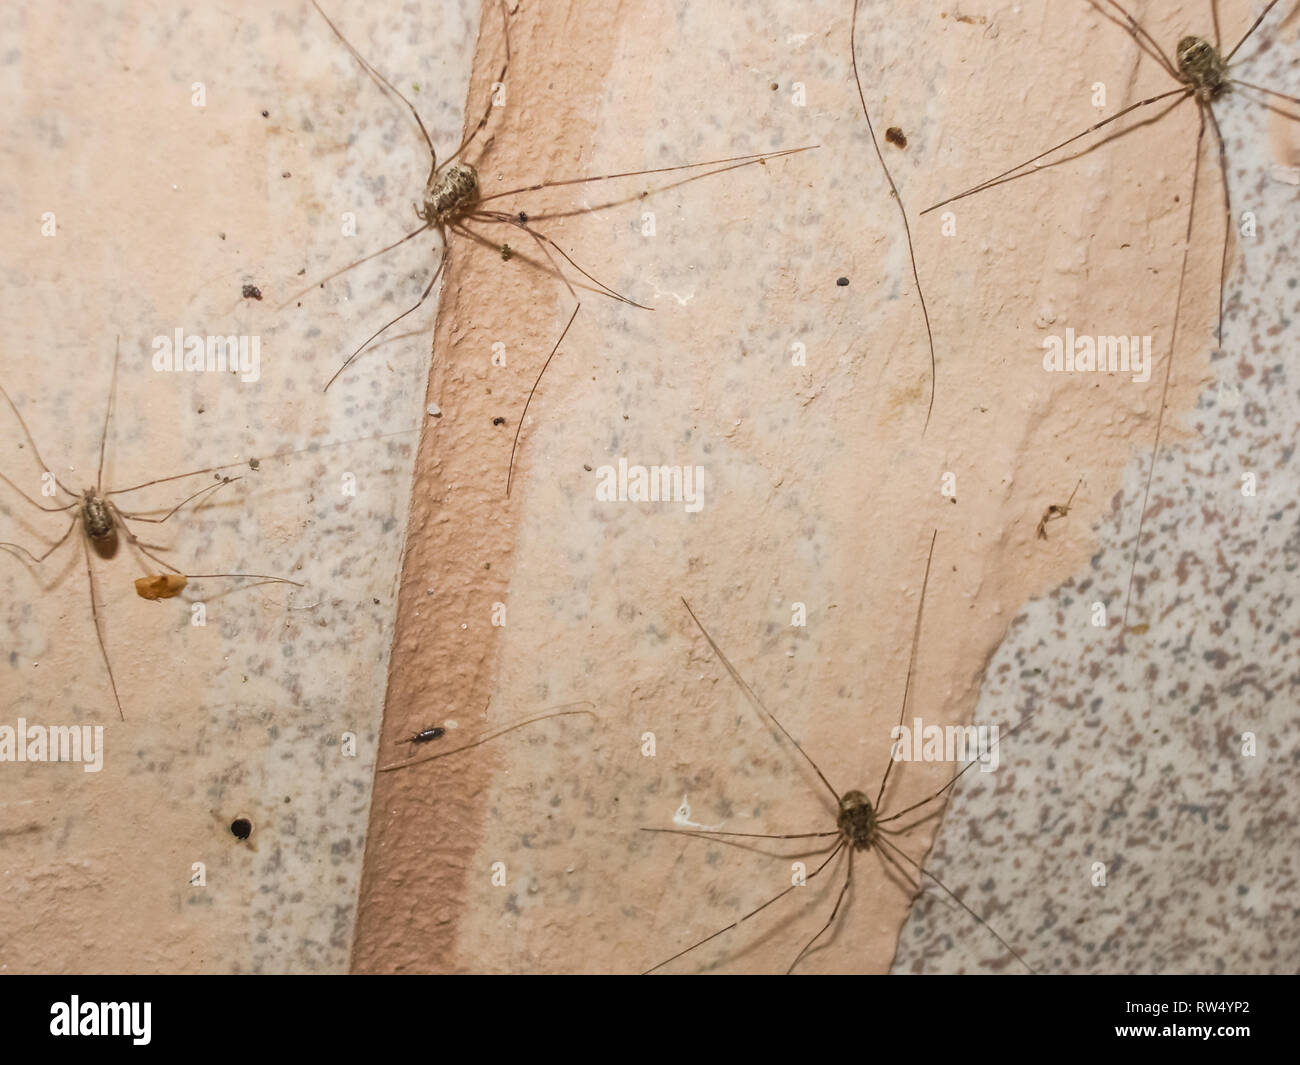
<point>862,823</point>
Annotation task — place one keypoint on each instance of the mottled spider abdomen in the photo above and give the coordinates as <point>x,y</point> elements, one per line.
<point>1202,66</point>
<point>449,193</point>
<point>857,820</point>
<point>97,517</point>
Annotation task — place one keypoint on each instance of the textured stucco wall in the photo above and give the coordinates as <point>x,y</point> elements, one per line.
<point>819,489</point>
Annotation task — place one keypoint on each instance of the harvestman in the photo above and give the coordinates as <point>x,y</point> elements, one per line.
<point>860,822</point>
<point>100,519</point>
<point>1202,75</point>
<point>452,199</point>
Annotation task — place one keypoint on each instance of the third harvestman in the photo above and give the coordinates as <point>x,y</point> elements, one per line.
<point>100,519</point>
<point>861,823</point>
<point>1202,74</point>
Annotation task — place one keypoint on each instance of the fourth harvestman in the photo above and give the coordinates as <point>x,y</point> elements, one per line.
<point>861,823</point>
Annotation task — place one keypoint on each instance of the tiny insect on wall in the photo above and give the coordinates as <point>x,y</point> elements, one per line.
<point>437,732</point>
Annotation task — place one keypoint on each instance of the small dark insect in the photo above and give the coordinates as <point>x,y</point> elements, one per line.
<point>252,292</point>
<point>437,732</point>
<point>860,823</point>
<point>266,114</point>
<point>843,282</point>
<point>426,734</point>
<point>1056,510</point>
<point>254,464</point>
<point>241,828</point>
<point>507,253</point>
<point>498,421</point>
<point>523,218</point>
<point>896,137</point>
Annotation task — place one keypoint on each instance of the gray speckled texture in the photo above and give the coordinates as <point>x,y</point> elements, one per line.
<point>1134,758</point>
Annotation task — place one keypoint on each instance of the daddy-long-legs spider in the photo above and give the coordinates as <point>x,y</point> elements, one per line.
<point>95,512</point>
<point>454,202</point>
<point>1203,73</point>
<point>862,823</point>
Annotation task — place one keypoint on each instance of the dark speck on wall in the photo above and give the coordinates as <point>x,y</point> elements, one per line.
<point>843,282</point>
<point>252,292</point>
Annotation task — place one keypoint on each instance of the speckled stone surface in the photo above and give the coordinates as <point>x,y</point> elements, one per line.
<point>1144,819</point>
<point>165,210</point>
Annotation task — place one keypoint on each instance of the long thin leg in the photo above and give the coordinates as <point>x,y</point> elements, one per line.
<point>996,179</point>
<point>1012,950</point>
<point>40,461</point>
<point>893,190</point>
<point>1164,391</point>
<point>757,703</point>
<point>108,411</point>
<point>1268,105</point>
<point>38,506</point>
<point>501,79</point>
<point>158,521</point>
<point>269,458</point>
<point>707,833</point>
<point>142,547</point>
<point>383,82</point>
<point>365,259</point>
<point>738,160</point>
<point>911,662</point>
<point>418,303</point>
<point>1270,92</point>
<point>1218,34</point>
<point>461,228</point>
<point>543,239</point>
<point>1144,40</point>
<point>848,883</point>
<point>510,470</point>
<point>139,545</point>
<point>38,559</point>
<point>882,821</point>
<point>1254,26</point>
<point>740,921</point>
<point>99,635</point>
<point>261,578</point>
<point>720,838</point>
<point>1227,216</point>
<point>1110,138</point>
<point>482,739</point>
